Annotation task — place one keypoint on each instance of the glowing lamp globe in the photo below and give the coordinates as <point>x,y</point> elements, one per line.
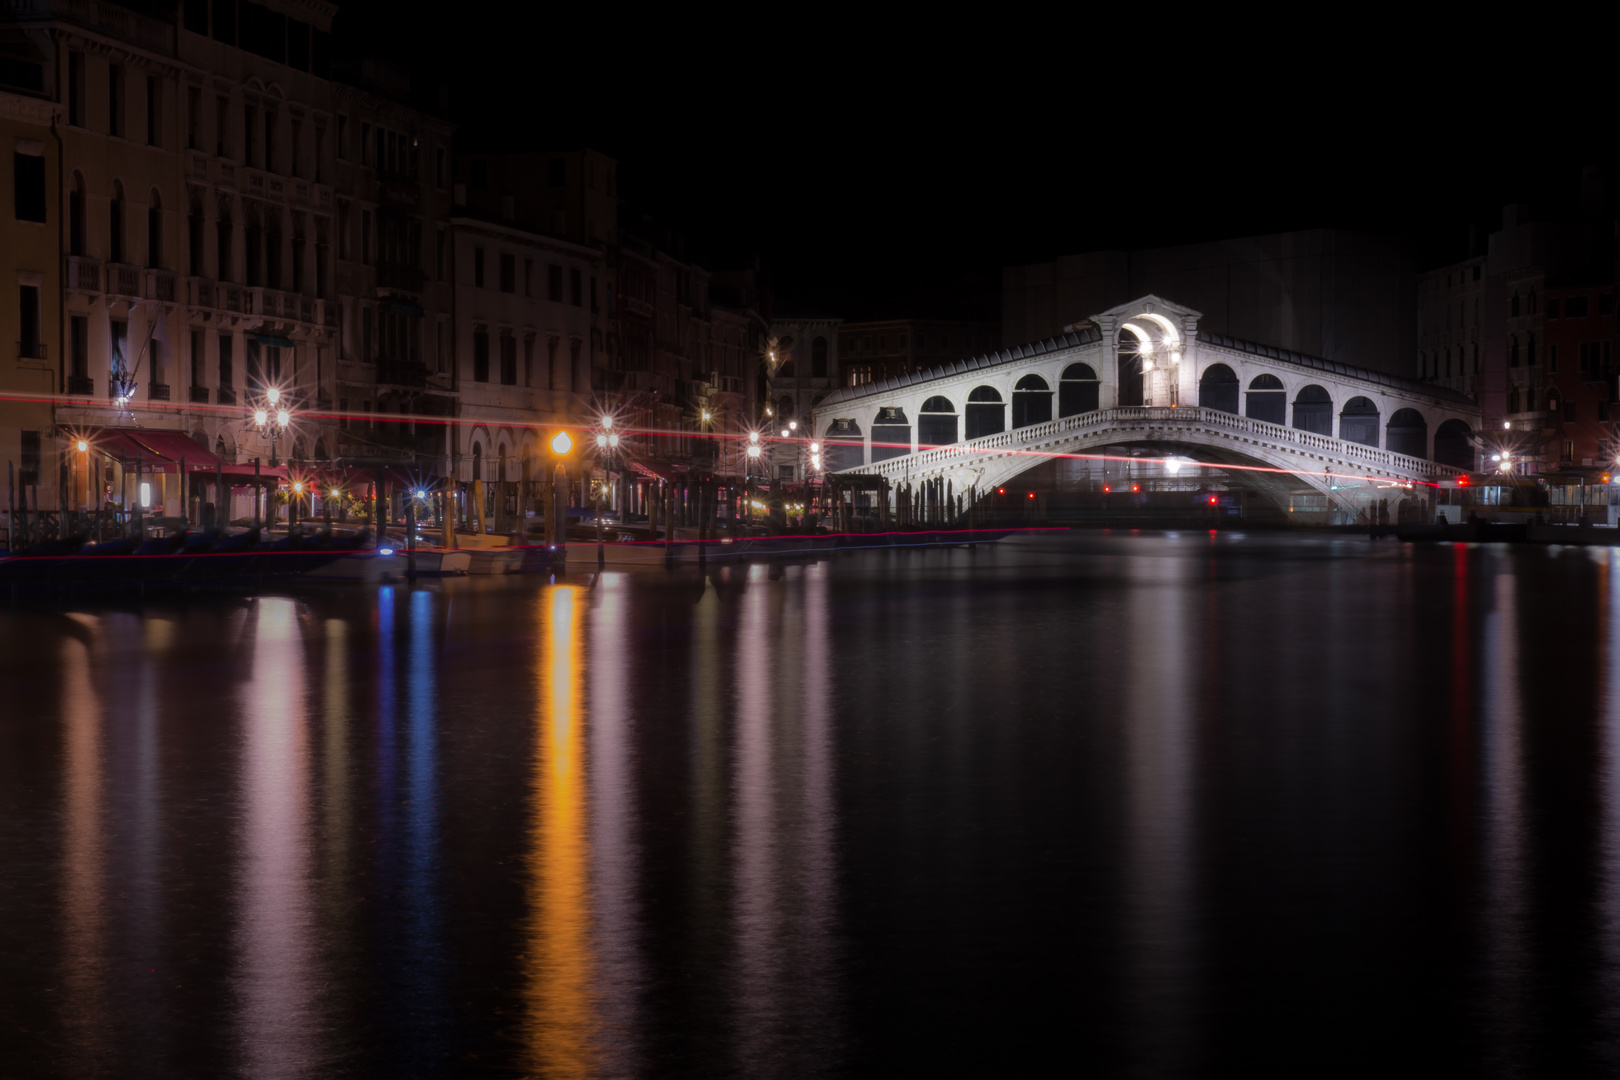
<point>272,395</point>
<point>260,417</point>
<point>561,443</point>
<point>283,417</point>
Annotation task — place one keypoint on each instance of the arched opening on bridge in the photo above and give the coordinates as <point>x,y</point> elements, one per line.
<point>1131,389</point>
<point>1032,402</point>
<point>1218,389</point>
<point>1358,421</point>
<point>844,447</point>
<point>1313,410</point>
<point>936,424</point>
<point>1077,390</point>
<point>1408,433</point>
<point>986,415</point>
<point>1454,444</point>
<point>1268,401</point>
<point>891,434</point>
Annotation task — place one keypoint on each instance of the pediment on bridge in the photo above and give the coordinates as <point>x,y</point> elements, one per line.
<point>1150,305</point>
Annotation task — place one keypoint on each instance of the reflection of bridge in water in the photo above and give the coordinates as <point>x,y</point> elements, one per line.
<point>1141,377</point>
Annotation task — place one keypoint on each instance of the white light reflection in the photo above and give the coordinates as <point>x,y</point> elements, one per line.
<point>1159,735</point>
<point>1503,910</point>
<point>84,916</point>
<point>275,988</point>
<point>613,830</point>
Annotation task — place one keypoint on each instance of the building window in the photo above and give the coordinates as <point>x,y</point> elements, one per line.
<point>1552,356</point>
<point>76,89</point>
<point>250,123</point>
<point>508,360</point>
<point>79,345</point>
<point>199,359</point>
<point>29,345</point>
<point>227,376</point>
<point>154,110</point>
<point>193,115</point>
<point>784,472</point>
<point>576,289</point>
<point>528,277</point>
<point>28,176</point>
<point>594,308</point>
<point>438,166</point>
<point>1552,307</point>
<point>343,137</point>
<point>508,272</point>
<point>222,120</point>
<point>480,356</point>
<point>1574,307</point>
<point>115,99</point>
<point>365,143</point>
<point>365,335</point>
<point>365,237</point>
<point>478,267</point>
<point>554,283</point>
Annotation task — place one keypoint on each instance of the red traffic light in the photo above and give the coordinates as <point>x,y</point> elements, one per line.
<point>1032,494</point>
<point>1001,491</point>
<point>1462,481</point>
<point>1136,487</point>
<point>1212,500</point>
<point>1106,489</point>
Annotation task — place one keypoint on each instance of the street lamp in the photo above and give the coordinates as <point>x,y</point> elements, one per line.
<point>272,418</point>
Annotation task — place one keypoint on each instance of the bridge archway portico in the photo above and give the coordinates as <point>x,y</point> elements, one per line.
<point>1083,365</point>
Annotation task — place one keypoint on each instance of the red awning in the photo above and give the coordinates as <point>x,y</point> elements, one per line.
<point>156,451</point>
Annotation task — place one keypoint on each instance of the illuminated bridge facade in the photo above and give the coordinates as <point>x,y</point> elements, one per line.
<point>1141,376</point>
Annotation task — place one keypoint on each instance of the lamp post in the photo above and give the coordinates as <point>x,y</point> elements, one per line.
<point>561,445</point>
<point>272,419</point>
<point>607,444</point>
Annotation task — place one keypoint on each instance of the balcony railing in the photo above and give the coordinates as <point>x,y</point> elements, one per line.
<point>83,274</point>
<point>199,395</point>
<point>157,391</point>
<point>81,384</point>
<point>30,350</point>
<point>123,280</point>
<point>160,286</point>
<point>201,292</point>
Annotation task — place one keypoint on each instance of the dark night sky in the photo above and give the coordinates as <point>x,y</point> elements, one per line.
<point>874,175</point>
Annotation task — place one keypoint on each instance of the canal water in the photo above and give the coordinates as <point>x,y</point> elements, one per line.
<point>1129,804</point>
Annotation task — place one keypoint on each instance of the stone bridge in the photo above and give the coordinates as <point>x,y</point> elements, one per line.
<point>1142,376</point>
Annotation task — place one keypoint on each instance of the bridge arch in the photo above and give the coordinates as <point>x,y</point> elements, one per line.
<point>891,434</point>
<point>1218,389</point>
<point>986,415</point>
<point>1407,433</point>
<point>1454,444</point>
<point>845,446</point>
<point>1313,410</point>
<point>936,422</point>
<point>1358,421</point>
<point>1031,401</point>
<point>1077,390</point>
<point>1267,400</point>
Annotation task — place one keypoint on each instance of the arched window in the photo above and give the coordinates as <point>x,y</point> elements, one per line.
<point>1218,389</point>
<point>936,424</point>
<point>891,434</point>
<point>1407,433</point>
<point>1453,445</point>
<point>986,415</point>
<point>76,216</point>
<point>252,245</point>
<point>1358,421</point>
<point>818,358</point>
<point>1313,410</point>
<point>478,461</point>
<point>1077,390</point>
<point>1530,347</point>
<point>115,247</point>
<point>154,231</point>
<point>1513,351</point>
<point>1513,305</point>
<point>1512,401</point>
<point>1032,402</point>
<point>1267,400</point>
<point>320,450</point>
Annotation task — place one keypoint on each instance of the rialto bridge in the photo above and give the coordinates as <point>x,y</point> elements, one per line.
<point>1141,376</point>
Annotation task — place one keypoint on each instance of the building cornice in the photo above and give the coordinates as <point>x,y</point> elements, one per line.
<point>511,232</point>
<point>387,106</point>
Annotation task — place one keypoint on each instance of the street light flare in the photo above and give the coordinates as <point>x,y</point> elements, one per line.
<point>561,443</point>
